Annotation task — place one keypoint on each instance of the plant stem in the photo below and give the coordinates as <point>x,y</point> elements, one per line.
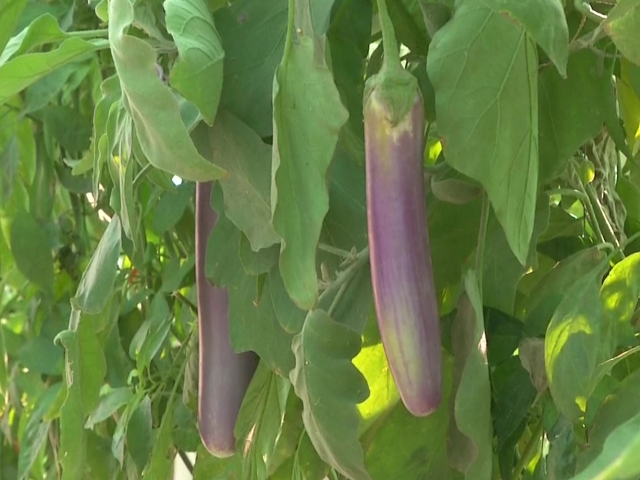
<point>90,34</point>
<point>482,235</point>
<point>529,450</point>
<point>186,460</point>
<point>336,251</point>
<point>141,174</point>
<point>290,28</point>
<point>390,44</point>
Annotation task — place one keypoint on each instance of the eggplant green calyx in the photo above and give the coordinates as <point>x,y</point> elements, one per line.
<point>395,87</point>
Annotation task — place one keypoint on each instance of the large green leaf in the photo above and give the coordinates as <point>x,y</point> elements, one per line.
<point>42,30</point>
<point>470,430</point>
<point>573,344</point>
<point>619,457</point>
<point>304,142</point>
<point>161,462</point>
<point>197,74</point>
<point>208,467</point>
<point>619,294</point>
<point>99,277</point>
<point>155,110</point>
<point>31,250</point>
<point>20,72</point>
<point>572,110</point>
<point>232,145</point>
<point>490,133</point>
<point>253,36</point>
<point>260,420</point>
<point>622,25</point>
<point>330,387</point>
<point>407,448</point>
<point>544,21</point>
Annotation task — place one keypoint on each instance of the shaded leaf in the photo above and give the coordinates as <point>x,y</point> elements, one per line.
<point>470,431</point>
<point>622,25</point>
<point>160,464</point>
<point>208,467</point>
<point>490,133</point>
<point>197,74</point>
<point>324,350</point>
<point>257,263</point>
<point>304,141</point>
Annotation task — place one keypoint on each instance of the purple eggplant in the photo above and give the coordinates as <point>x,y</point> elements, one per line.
<point>401,270</point>
<point>224,375</point>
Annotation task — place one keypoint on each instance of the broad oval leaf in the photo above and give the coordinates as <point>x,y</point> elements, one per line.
<point>488,112</point>
<point>303,145</point>
<point>330,387</point>
<point>622,25</point>
<point>197,74</point>
<point>155,110</point>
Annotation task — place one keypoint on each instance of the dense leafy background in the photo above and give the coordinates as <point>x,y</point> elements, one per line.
<point>110,110</point>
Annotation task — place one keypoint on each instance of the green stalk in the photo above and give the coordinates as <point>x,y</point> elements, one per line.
<point>529,451</point>
<point>391,59</point>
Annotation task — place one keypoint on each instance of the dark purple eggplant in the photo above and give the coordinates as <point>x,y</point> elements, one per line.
<point>224,375</point>
<point>401,270</point>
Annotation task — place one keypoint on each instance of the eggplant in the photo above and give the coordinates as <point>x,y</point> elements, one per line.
<point>224,375</point>
<point>401,270</point>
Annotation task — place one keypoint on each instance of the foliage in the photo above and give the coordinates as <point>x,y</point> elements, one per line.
<point>110,110</point>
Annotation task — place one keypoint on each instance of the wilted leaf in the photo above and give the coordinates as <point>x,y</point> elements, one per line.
<point>330,387</point>
<point>304,142</point>
<point>531,354</point>
<point>490,133</point>
<point>197,74</point>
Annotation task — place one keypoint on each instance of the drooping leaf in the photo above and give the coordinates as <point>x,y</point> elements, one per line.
<point>159,323</point>
<point>470,430</point>
<point>10,11</point>
<point>197,74</point>
<point>98,278</point>
<point>304,142</point>
<point>239,150</point>
<point>573,344</point>
<point>253,35</point>
<point>490,134</point>
<point>110,402</point>
<point>622,25</point>
<point>31,250</point>
<point>260,421</point>
<point>330,387</point>
<point>155,110</point>
<point>161,462</point>
<point>139,442</point>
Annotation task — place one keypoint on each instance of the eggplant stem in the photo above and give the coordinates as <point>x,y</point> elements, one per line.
<point>390,44</point>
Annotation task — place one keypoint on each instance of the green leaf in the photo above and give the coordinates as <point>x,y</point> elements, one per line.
<point>257,263</point>
<point>197,74</point>
<point>501,270</point>
<point>160,464</point>
<point>469,441</point>
<point>42,30</point>
<point>159,323</point>
<point>139,441</point>
<point>31,250</point>
<point>619,457</point>
<point>253,322</point>
<point>208,467</point>
<point>349,38</point>
<point>253,35</point>
<point>330,387</point>
<point>70,129</point>
<point>320,15</point>
<point>41,355</point>
<point>170,208</point>
<point>10,11</point>
<point>622,25</point>
<point>110,402</point>
<point>572,110</point>
<point>544,21</point>
<point>407,448</point>
<point>410,27</point>
<point>85,367</point>
<point>304,142</point>
<point>573,344</point>
<point>490,133</point>
<point>99,277</point>
<point>619,295</point>
<point>259,422</point>
<point>154,108</point>
<point>232,145</point>
<point>24,70</point>
<point>47,88</point>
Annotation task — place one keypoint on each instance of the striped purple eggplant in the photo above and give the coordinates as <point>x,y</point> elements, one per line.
<point>401,270</point>
<point>224,375</point>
